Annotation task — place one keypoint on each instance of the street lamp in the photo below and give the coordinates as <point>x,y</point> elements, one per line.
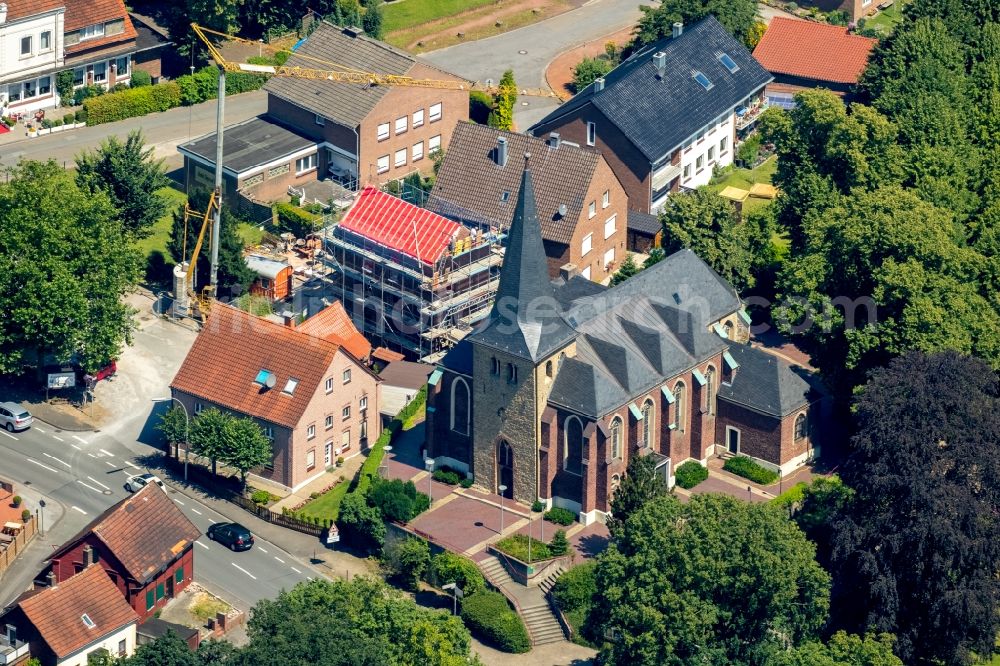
<point>502,489</point>
<point>429,462</point>
<point>387,449</point>
<point>456,594</point>
<point>187,431</point>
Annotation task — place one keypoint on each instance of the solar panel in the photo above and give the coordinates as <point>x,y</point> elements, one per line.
<point>703,80</point>
<point>729,63</point>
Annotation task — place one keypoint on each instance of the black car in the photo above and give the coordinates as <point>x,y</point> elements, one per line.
<point>233,535</point>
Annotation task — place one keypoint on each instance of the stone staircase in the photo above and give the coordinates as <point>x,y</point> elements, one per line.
<point>533,605</point>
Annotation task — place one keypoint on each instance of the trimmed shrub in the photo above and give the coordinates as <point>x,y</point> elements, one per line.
<point>80,115</point>
<point>446,475</point>
<point>25,516</point>
<point>17,501</point>
<point>57,122</point>
<point>560,516</point>
<point>748,469</point>
<point>131,103</point>
<point>538,506</point>
<point>406,560</point>
<point>295,220</point>
<point>516,545</point>
<point>465,483</point>
<point>447,567</point>
<point>260,497</point>
<point>141,79</point>
<point>690,474</point>
<point>69,119</point>
<point>576,588</point>
<point>559,545</point>
<point>488,615</point>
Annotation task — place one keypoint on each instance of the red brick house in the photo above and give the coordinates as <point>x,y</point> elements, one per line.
<point>144,543</point>
<point>65,623</point>
<point>314,400</point>
<point>805,54</point>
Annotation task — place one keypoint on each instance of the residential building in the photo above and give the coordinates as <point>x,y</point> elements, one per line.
<point>414,281</point>
<point>401,381</point>
<point>274,277</point>
<point>670,114</point>
<point>333,323</point>
<point>148,570</point>
<point>314,400</point>
<point>68,622</point>
<point>581,204</point>
<point>565,381</point>
<point>805,54</point>
<point>99,41</point>
<point>855,9</point>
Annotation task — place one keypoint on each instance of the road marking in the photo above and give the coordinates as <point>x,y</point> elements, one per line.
<point>39,429</point>
<point>279,559</point>
<point>261,550</point>
<point>243,570</point>
<point>8,434</point>
<point>92,455</point>
<point>202,545</point>
<point>296,570</point>
<point>35,462</point>
<point>129,462</point>
<point>102,450</point>
<point>109,463</point>
<point>76,508</point>
<point>196,510</point>
<point>210,520</point>
<point>79,439</point>
<point>98,483</point>
<point>61,462</point>
<point>179,502</point>
<point>87,485</point>
<point>59,438</point>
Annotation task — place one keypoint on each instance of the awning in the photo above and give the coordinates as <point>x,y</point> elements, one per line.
<point>730,361</point>
<point>663,177</point>
<point>667,394</point>
<point>635,411</point>
<point>435,377</point>
<point>700,378</point>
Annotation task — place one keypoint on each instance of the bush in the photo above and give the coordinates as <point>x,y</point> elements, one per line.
<point>447,567</point>
<point>407,561</point>
<point>488,615</point>
<point>446,475</point>
<point>560,516</point>
<point>538,506</point>
<point>9,122</point>
<point>141,79</point>
<point>576,588</point>
<point>57,122</point>
<point>747,153</point>
<point>480,105</point>
<point>17,501</point>
<point>690,474</point>
<point>465,483</point>
<point>588,70</point>
<point>559,545</point>
<point>340,460</point>
<point>64,87</point>
<point>85,93</point>
<point>360,523</point>
<point>131,103</point>
<point>80,115</point>
<point>295,220</point>
<point>69,119</point>
<point>397,500</point>
<point>748,469</point>
<point>46,123</point>
<point>260,497</point>
<point>25,516</point>
<point>516,545</point>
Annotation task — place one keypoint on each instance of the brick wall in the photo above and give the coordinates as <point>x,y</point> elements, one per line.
<point>760,434</point>
<point>442,441</point>
<point>604,181</point>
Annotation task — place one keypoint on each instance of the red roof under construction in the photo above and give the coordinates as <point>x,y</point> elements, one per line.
<point>401,226</point>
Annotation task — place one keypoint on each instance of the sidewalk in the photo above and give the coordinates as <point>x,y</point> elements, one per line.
<point>17,578</point>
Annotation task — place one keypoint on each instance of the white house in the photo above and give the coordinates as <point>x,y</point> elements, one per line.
<point>31,51</point>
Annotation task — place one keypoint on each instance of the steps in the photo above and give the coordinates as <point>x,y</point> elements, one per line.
<point>550,579</point>
<point>543,626</point>
<point>496,572</point>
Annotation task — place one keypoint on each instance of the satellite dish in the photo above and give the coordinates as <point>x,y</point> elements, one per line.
<point>269,382</point>
<point>562,210</point>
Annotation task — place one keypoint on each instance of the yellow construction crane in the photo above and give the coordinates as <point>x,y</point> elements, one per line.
<point>204,299</point>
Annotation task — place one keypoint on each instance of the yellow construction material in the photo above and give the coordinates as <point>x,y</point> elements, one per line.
<point>734,194</point>
<point>764,191</point>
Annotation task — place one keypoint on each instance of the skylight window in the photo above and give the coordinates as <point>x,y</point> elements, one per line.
<point>703,80</point>
<point>728,63</point>
<point>262,376</point>
<point>87,621</point>
<point>504,196</point>
<point>290,386</point>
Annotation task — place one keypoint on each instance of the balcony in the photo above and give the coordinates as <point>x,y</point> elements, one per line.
<point>748,115</point>
<point>11,651</point>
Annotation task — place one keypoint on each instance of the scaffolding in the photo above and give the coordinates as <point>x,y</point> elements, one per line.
<point>418,308</point>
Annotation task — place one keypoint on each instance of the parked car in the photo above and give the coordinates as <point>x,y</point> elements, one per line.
<point>232,535</point>
<point>137,482</point>
<point>14,417</point>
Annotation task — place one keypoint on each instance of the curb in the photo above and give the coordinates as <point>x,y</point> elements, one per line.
<point>63,428</point>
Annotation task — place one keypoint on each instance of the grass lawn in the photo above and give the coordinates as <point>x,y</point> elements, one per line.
<point>886,20</point>
<point>161,230</point>
<point>250,234</point>
<point>327,505</point>
<point>404,14</point>
<point>744,179</point>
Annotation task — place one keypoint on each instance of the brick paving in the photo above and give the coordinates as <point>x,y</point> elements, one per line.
<point>462,523</point>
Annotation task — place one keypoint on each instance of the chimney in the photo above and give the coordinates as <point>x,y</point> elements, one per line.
<point>3,12</point>
<point>660,61</point>
<point>554,140</point>
<point>51,577</point>
<point>566,271</point>
<point>353,31</point>
<point>502,151</point>
<point>678,30</point>
<point>88,556</point>
<point>599,84</point>
<point>289,318</point>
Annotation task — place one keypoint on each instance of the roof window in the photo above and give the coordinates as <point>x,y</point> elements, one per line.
<point>702,79</point>
<point>504,196</point>
<point>290,386</point>
<point>727,62</point>
<point>87,621</point>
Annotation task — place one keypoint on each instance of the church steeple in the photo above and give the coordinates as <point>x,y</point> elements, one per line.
<point>525,319</point>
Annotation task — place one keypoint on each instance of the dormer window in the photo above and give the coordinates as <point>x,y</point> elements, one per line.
<point>702,80</point>
<point>728,62</point>
<point>92,31</point>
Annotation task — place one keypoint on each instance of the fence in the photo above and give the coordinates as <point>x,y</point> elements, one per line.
<point>20,542</point>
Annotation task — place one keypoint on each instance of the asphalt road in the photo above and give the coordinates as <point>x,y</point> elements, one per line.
<point>86,473</point>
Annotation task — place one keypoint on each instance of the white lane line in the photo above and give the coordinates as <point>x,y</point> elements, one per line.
<point>178,501</point>
<point>61,462</point>
<point>261,550</point>
<point>80,439</point>
<point>39,429</point>
<point>196,510</point>
<point>76,447</point>
<point>210,520</point>
<point>98,483</point>
<point>87,485</point>
<point>35,462</point>
<point>199,542</point>
<point>109,463</point>
<point>279,559</point>
<point>296,570</point>
<point>76,508</point>
<point>92,455</point>
<point>8,434</point>
<point>243,570</point>
<point>129,462</point>
<point>60,439</point>
<point>102,450</point>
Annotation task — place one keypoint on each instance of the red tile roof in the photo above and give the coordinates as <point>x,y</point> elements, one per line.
<point>19,9</point>
<point>235,346</point>
<point>401,226</point>
<point>81,13</point>
<point>387,355</point>
<point>813,51</point>
<point>335,325</point>
<point>57,612</point>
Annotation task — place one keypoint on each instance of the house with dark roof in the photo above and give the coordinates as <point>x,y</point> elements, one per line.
<point>572,379</point>
<point>668,115</point>
<point>144,543</point>
<point>63,625</point>
<point>582,206</point>
<point>805,54</point>
<point>312,397</point>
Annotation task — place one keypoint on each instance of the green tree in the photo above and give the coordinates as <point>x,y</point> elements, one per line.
<point>655,256</point>
<point>640,485</point>
<point>502,115</point>
<point>917,550</point>
<point>246,446</point>
<point>407,560</point>
<point>66,265</point>
<point>559,545</point>
<point>372,19</point>
<point>170,650</point>
<point>823,502</point>
<point>210,435</point>
<point>361,523</point>
<point>715,581</point>
<point>736,16</point>
<point>64,87</point>
<point>843,649</point>
<point>220,15</point>
<point>589,69</point>
<point>174,425</point>
<point>447,567</point>
<point>627,269</point>
<point>130,176</point>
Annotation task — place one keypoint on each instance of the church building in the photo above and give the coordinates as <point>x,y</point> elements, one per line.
<point>566,380</point>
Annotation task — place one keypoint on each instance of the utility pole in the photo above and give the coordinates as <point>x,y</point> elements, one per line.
<point>217,222</point>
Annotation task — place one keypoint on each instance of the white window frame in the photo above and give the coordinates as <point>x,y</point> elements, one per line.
<point>30,88</point>
<point>591,133</point>
<point>610,226</point>
<point>739,439</point>
<point>345,413</point>
<point>91,31</point>
<point>687,171</point>
<point>328,422</point>
<point>609,253</point>
<point>363,403</point>
<point>345,376</point>
<point>591,210</point>
<point>587,245</point>
<point>606,199</point>
<point>104,79</point>
<point>47,86</point>
<point>30,40</point>
<point>311,431</point>
<point>723,144</point>
<point>306,164</point>
<point>45,36</point>
<point>417,152</point>
<point>382,131</point>
<point>383,164</point>
<point>123,72</point>
<point>402,124</point>
<point>399,158</point>
<point>328,453</point>
<point>435,112</point>
<point>319,120</point>
<point>310,459</point>
<point>617,442</point>
<point>418,118</point>
<point>345,440</point>
<point>711,154</point>
<point>329,384</point>
<point>699,163</point>
<point>433,143</point>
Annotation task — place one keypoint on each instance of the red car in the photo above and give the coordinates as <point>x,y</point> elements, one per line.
<point>106,371</point>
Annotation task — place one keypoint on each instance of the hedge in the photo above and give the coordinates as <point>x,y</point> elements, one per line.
<point>295,220</point>
<point>448,476</point>
<point>690,474</point>
<point>131,103</point>
<point>748,469</point>
<point>488,615</point>
<point>447,567</point>
<point>560,516</point>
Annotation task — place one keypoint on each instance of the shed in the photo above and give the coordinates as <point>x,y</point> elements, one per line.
<point>274,277</point>
<point>401,380</point>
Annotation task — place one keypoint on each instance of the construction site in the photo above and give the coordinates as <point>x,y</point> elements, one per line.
<point>411,280</point>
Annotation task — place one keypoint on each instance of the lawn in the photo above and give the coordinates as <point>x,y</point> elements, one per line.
<point>404,14</point>
<point>326,506</point>
<point>886,20</point>
<point>745,179</point>
<point>161,230</point>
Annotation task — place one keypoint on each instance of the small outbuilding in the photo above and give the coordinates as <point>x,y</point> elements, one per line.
<point>274,277</point>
